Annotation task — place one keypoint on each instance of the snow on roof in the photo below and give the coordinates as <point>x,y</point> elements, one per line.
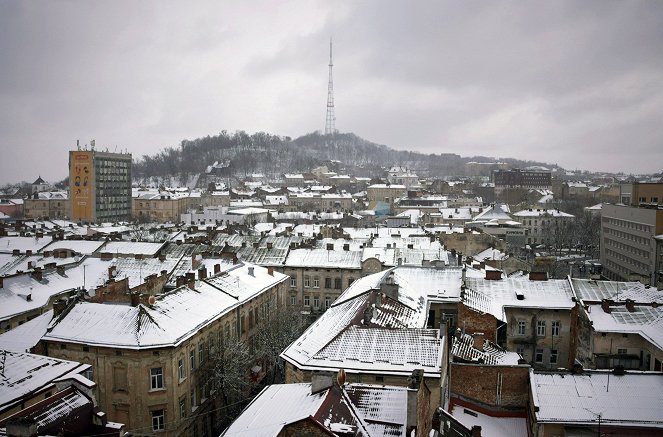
<point>24,337</point>
<point>542,212</point>
<point>493,212</point>
<point>633,399</point>
<point>645,321</point>
<point>492,296</point>
<point>323,258</point>
<point>490,354</point>
<point>16,289</point>
<point>275,406</point>
<point>375,410</point>
<point>491,426</point>
<point>339,339</point>
<point>248,211</point>
<point>263,256</point>
<point>9,244</point>
<point>23,374</point>
<point>132,248</point>
<point>136,270</point>
<point>490,254</point>
<point>173,318</point>
<point>589,290</point>
<point>84,247</point>
<point>392,186</point>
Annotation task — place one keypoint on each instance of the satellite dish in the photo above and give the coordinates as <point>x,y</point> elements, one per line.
<point>151,300</point>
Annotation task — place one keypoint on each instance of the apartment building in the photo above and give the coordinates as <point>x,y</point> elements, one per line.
<point>517,178</point>
<point>99,186</point>
<point>153,359</point>
<point>387,193</point>
<point>160,206</point>
<point>47,204</point>
<point>538,222</point>
<point>628,245</point>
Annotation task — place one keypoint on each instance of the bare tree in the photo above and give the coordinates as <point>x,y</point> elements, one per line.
<point>283,327</point>
<point>230,374</point>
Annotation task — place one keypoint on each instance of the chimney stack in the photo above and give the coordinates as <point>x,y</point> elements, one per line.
<point>605,305</point>
<point>630,305</point>
<point>321,381</point>
<point>270,271</point>
<point>251,271</point>
<point>202,273</point>
<point>476,431</point>
<point>478,340</point>
<point>538,276</point>
<point>413,385</point>
<point>217,269</point>
<point>493,275</point>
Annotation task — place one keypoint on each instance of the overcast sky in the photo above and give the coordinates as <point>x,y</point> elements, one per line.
<point>576,83</point>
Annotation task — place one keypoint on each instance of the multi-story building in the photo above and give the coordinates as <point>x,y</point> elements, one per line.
<point>99,186</point>
<point>636,193</point>
<point>628,247</point>
<point>46,204</point>
<point>387,193</point>
<point>403,176</point>
<point>161,206</point>
<point>153,359</point>
<point>527,179</point>
<point>538,223</point>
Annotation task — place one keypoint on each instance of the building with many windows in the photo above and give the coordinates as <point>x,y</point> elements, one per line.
<point>628,246</point>
<point>527,179</point>
<point>99,186</point>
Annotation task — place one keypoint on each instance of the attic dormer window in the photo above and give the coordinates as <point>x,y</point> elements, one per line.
<point>520,296</point>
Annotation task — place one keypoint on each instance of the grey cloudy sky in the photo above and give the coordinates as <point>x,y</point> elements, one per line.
<point>577,83</point>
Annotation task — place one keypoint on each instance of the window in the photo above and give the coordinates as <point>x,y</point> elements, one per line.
<point>521,327</point>
<point>201,353</point>
<point>541,328</point>
<point>337,283</point>
<point>539,356</point>
<point>183,408</point>
<point>158,420</point>
<point>192,359</point>
<point>520,350</point>
<point>554,327</point>
<point>316,282</point>
<point>621,351</point>
<point>553,356</point>
<point>181,370</point>
<point>350,281</point>
<point>293,300</point>
<point>293,282</point>
<point>328,282</point>
<point>316,301</point>
<point>156,378</point>
<point>307,301</point>
<point>193,399</point>
<point>89,374</point>
<point>327,302</point>
<point>307,281</point>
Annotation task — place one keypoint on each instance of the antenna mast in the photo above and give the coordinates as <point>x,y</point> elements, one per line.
<point>330,125</point>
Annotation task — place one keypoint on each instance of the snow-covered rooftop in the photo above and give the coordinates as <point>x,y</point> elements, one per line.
<point>595,291</point>
<point>173,318</point>
<point>323,258</point>
<point>633,399</point>
<point>132,248</point>
<point>491,426</point>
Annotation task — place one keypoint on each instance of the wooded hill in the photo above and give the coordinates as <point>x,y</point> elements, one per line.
<point>273,155</point>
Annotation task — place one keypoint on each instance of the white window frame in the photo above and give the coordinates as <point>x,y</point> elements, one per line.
<point>540,328</point>
<point>316,282</point>
<point>293,281</point>
<point>555,327</point>
<point>158,420</point>
<point>181,369</point>
<point>522,327</point>
<point>156,379</point>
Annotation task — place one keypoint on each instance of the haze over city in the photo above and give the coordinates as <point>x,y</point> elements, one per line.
<point>577,84</point>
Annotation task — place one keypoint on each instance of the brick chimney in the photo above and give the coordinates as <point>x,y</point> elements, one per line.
<point>202,273</point>
<point>270,245</point>
<point>630,305</point>
<point>493,275</point>
<point>270,270</point>
<point>476,431</point>
<point>37,274</point>
<point>2,282</point>
<point>217,269</point>
<point>478,339</point>
<point>59,306</point>
<point>413,385</point>
<point>605,305</point>
<point>111,272</point>
<point>28,252</point>
<point>538,276</point>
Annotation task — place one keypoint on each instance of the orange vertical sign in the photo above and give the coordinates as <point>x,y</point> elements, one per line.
<point>81,185</point>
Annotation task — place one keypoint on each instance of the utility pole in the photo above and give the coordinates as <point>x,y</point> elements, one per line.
<point>330,124</point>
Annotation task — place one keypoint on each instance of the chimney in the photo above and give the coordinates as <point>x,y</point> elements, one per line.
<point>399,261</point>
<point>478,340</point>
<point>59,306</point>
<point>330,246</point>
<point>194,262</point>
<point>493,275</point>
<point>37,274</point>
<point>181,280</point>
<point>321,381</point>
<point>270,245</point>
<point>270,270</point>
<point>605,305</point>
<point>217,269</point>
<point>135,299</point>
<point>31,265</point>
<point>538,276</point>
<point>630,305</point>
<point>60,270</point>
<point>346,247</point>
<point>378,299</point>
<point>256,245</point>
<point>464,276</point>
<point>16,252</point>
<point>476,431</point>
<point>460,258</point>
<point>202,273</point>
<point>28,252</point>
<point>162,257</point>
<point>413,385</point>
<point>112,272</point>
<point>2,282</point>
<point>368,315</point>
<point>243,243</point>
<point>251,272</point>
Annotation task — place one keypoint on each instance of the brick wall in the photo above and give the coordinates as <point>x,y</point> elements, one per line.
<point>479,383</point>
<point>473,321</point>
